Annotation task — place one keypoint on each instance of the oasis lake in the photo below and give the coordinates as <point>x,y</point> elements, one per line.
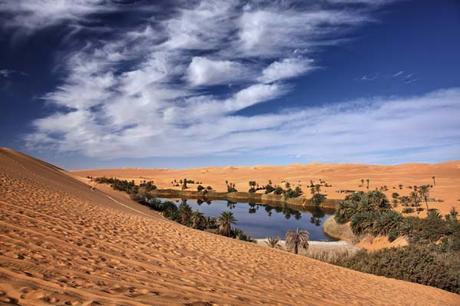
<point>262,220</point>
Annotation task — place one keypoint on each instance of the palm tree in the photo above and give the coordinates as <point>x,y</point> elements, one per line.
<point>415,198</point>
<point>198,220</point>
<point>434,180</point>
<point>185,213</point>
<point>225,221</point>
<point>296,239</point>
<point>424,192</point>
<point>367,180</point>
<point>273,242</point>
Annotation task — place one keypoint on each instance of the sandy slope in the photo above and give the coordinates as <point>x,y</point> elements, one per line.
<point>63,243</point>
<point>340,176</point>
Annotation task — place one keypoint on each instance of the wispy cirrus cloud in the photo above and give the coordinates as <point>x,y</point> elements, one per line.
<point>32,15</point>
<point>176,85</point>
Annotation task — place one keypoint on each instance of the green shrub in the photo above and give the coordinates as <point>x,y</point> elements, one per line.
<point>363,222</point>
<point>426,265</point>
<point>269,188</point>
<point>278,190</point>
<point>407,210</point>
<point>386,222</point>
<point>317,199</point>
<point>358,202</point>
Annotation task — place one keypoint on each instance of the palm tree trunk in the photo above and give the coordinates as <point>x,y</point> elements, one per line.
<point>296,249</point>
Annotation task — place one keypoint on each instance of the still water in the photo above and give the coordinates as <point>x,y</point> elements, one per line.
<point>262,221</point>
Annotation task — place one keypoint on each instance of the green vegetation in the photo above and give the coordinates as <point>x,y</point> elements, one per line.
<point>120,185</point>
<point>432,257</point>
<point>183,213</point>
<point>289,192</point>
<point>225,222</point>
<point>231,187</point>
<point>427,265</point>
<point>317,197</point>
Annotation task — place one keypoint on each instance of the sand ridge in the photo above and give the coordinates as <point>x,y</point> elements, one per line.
<point>63,243</point>
<point>446,192</point>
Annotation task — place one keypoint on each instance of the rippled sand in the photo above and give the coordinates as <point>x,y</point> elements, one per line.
<point>63,243</point>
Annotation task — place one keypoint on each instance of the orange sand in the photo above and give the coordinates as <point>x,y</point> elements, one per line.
<point>340,176</point>
<point>63,243</point>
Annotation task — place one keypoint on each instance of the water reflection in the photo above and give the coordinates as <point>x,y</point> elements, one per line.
<point>261,220</point>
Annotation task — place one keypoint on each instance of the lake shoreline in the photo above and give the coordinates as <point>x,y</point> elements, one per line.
<point>243,197</point>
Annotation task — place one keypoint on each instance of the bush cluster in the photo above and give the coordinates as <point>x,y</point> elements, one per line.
<point>432,256</point>
<point>423,264</point>
<point>120,185</point>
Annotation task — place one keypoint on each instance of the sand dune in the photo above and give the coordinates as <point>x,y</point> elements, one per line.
<point>444,195</point>
<point>63,243</point>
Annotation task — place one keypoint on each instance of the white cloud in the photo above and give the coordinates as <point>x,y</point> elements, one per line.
<point>146,92</point>
<point>203,71</point>
<point>376,130</point>
<point>285,69</point>
<point>4,73</point>
<point>30,15</point>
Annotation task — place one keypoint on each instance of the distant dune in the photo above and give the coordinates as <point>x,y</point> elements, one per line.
<point>444,195</point>
<point>63,243</point>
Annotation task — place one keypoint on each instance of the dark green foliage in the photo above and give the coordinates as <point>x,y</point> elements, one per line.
<point>185,214</point>
<point>387,222</point>
<point>278,190</point>
<point>198,220</point>
<point>200,188</point>
<point>120,185</point>
<point>240,235</point>
<point>433,255</point>
<point>231,187</point>
<point>293,193</point>
<point>426,265</point>
<point>317,199</point>
<point>252,187</point>
<point>363,222</point>
<point>269,188</point>
<point>407,210</point>
<point>358,202</point>
<point>147,186</point>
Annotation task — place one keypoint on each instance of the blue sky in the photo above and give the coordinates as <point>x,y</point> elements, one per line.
<point>92,83</point>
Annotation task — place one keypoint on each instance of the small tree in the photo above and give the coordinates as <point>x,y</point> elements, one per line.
<point>315,189</point>
<point>198,220</point>
<point>452,216</point>
<point>317,199</point>
<point>185,213</point>
<point>225,221</point>
<point>278,190</point>
<point>252,186</point>
<point>405,201</point>
<point>296,239</point>
<point>273,242</point>
<point>424,192</point>
<point>395,197</point>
